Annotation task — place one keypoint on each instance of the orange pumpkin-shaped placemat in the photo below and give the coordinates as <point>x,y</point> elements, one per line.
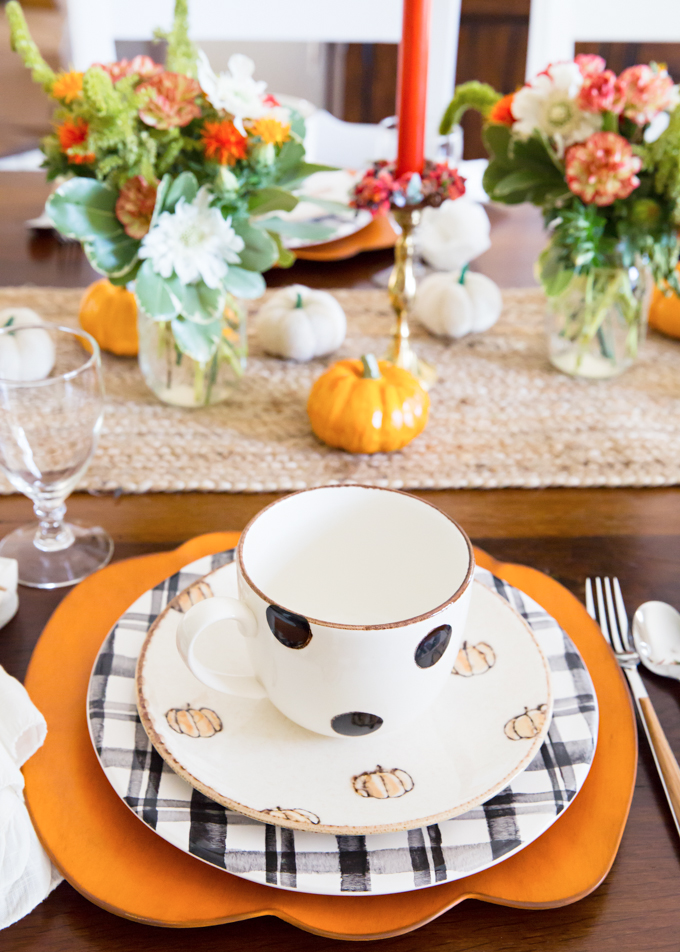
<point>378,234</point>
<point>110,857</point>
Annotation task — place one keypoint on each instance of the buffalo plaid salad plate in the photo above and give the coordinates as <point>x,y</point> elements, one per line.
<point>323,863</point>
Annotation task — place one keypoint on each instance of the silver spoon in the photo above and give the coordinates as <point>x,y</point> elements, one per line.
<point>656,634</point>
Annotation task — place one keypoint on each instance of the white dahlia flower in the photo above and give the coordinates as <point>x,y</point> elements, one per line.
<point>235,92</point>
<point>196,242</point>
<point>549,105</point>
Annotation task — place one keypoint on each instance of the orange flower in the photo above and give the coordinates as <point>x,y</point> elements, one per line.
<point>68,86</point>
<point>223,142</point>
<point>72,133</point>
<point>502,111</point>
<point>271,131</point>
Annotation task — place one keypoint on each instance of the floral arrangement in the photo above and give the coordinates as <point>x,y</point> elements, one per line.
<point>171,178</point>
<point>380,189</point>
<point>600,154</point>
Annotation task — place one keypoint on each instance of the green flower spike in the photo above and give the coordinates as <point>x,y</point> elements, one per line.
<point>23,44</point>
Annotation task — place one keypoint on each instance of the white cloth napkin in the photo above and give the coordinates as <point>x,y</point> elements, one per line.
<point>26,874</point>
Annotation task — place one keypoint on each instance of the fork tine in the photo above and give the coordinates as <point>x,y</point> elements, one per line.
<point>601,616</point>
<point>616,635</point>
<point>624,627</point>
<point>590,604</point>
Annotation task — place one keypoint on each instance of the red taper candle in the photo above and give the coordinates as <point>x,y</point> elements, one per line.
<point>412,85</point>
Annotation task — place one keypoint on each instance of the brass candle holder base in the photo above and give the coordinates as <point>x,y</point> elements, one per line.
<point>402,291</point>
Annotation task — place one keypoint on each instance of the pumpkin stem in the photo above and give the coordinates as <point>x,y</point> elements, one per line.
<point>298,300</point>
<point>371,368</point>
<point>461,279</point>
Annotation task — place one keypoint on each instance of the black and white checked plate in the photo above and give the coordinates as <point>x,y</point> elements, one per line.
<point>323,863</point>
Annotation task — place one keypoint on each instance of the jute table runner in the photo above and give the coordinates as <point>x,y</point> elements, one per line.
<point>500,415</point>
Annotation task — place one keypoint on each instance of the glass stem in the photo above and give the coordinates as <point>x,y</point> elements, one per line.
<point>52,535</point>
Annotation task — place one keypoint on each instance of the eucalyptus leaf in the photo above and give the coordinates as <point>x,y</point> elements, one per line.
<point>124,279</point>
<point>153,294</point>
<point>161,195</point>
<point>309,230</point>
<point>260,252</point>
<point>185,186</point>
<point>198,341</point>
<point>271,199</point>
<point>244,284</point>
<point>291,155</point>
<point>297,124</point>
<point>199,303</point>
<point>296,174</point>
<point>286,257</point>
<point>114,256</point>
<point>84,208</point>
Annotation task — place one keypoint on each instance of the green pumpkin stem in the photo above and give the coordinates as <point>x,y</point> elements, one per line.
<point>371,368</point>
<point>461,279</point>
<point>298,300</point>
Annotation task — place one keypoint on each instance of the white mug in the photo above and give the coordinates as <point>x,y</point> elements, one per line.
<point>352,601</point>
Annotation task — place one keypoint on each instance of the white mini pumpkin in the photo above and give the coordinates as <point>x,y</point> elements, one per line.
<point>455,304</point>
<point>453,234</point>
<point>299,323</point>
<point>26,356</point>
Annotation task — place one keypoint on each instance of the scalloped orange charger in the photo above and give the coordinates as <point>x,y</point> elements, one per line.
<point>121,865</point>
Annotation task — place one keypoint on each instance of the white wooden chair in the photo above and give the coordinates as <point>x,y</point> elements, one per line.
<point>555,26</point>
<point>93,26</point>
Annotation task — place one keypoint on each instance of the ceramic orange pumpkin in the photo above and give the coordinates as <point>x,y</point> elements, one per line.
<point>109,313</point>
<point>664,311</point>
<point>363,406</point>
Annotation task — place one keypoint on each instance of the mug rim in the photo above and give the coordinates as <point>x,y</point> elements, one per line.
<point>464,585</point>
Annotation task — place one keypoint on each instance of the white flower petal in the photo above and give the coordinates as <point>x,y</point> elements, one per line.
<point>195,242</point>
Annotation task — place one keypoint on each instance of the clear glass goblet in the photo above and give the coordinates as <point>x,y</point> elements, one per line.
<point>48,433</point>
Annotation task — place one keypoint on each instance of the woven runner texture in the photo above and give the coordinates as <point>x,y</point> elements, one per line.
<point>500,415</point>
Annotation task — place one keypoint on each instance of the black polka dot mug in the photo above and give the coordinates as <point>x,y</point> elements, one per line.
<point>352,603</point>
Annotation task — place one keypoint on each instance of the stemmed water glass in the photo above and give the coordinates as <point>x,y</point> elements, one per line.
<point>48,433</point>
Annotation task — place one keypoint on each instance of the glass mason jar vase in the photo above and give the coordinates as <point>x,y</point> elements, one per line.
<point>596,324</point>
<point>180,380</point>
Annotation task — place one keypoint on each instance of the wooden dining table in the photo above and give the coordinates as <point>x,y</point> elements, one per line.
<point>569,534</point>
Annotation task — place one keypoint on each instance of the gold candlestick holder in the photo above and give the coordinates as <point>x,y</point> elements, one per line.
<point>402,291</point>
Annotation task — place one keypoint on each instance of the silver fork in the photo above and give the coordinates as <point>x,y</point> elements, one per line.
<point>610,614</point>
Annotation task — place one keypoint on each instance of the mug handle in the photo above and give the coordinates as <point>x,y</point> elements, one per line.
<point>192,625</point>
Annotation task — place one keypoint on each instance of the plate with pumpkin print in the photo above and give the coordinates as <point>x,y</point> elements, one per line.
<point>486,726</point>
<point>275,850</point>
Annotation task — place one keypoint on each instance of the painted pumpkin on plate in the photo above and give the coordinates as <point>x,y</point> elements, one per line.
<point>195,593</point>
<point>194,723</point>
<point>366,406</point>
<point>109,313</point>
<point>474,659</point>
<point>527,725</point>
<point>296,815</point>
<point>383,784</point>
